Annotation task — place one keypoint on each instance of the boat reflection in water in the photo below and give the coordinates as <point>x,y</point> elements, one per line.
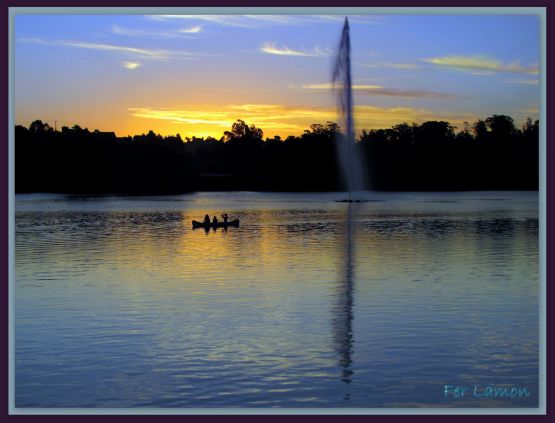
<point>232,223</point>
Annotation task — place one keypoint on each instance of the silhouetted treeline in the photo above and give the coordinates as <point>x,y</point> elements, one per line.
<point>492,154</point>
<point>79,161</point>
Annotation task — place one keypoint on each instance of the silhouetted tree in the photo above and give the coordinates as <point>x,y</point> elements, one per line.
<point>530,130</point>
<point>240,130</point>
<point>329,130</point>
<point>480,130</point>
<point>433,132</point>
<point>502,127</point>
<point>39,127</point>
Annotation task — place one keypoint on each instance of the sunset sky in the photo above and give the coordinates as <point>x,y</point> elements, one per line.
<point>195,75</point>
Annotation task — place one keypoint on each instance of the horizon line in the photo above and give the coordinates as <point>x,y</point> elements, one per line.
<point>204,136</point>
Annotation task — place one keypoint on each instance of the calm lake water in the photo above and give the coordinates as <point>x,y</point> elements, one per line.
<point>120,303</point>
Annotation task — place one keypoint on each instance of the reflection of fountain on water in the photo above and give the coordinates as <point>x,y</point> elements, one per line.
<point>343,312</point>
<point>350,163</point>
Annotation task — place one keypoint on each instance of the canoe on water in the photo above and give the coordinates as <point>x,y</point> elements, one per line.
<point>233,223</point>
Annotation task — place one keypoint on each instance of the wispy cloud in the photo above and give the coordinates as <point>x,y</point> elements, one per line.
<point>152,54</point>
<point>521,81</point>
<point>258,21</point>
<point>272,112</point>
<point>410,66</point>
<point>270,117</point>
<point>284,119</point>
<point>389,92</point>
<point>192,30</point>
<point>271,48</point>
<point>225,20</point>
<point>183,116</point>
<point>131,65</point>
<point>257,113</point>
<point>129,32</point>
<point>381,91</point>
<point>481,63</point>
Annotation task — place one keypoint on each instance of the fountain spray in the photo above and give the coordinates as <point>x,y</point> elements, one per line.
<point>349,163</point>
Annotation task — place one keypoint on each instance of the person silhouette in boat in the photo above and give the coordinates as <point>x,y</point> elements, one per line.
<point>207,220</point>
<point>224,217</point>
<point>215,221</point>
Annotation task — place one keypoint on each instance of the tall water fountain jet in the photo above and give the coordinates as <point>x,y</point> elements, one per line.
<point>352,173</point>
<point>349,162</point>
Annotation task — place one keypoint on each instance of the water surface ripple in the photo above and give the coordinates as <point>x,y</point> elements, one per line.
<point>119,303</point>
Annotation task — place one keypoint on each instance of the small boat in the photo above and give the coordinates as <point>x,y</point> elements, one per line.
<point>232,223</point>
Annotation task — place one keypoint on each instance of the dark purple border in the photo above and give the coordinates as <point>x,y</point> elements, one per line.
<point>550,177</point>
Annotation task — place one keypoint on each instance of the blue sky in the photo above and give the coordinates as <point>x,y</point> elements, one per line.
<point>195,75</point>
